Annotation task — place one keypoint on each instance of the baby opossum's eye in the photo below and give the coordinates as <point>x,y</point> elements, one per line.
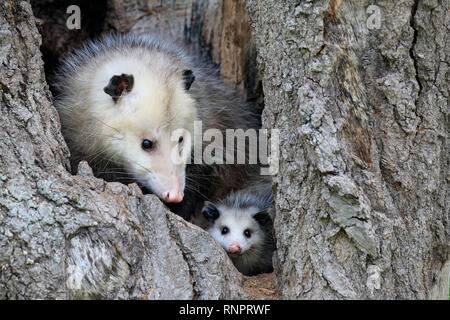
<point>147,144</point>
<point>247,233</point>
<point>225,230</point>
<point>180,140</point>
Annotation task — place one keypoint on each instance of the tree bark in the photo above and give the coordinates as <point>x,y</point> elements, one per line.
<point>363,194</point>
<point>64,236</point>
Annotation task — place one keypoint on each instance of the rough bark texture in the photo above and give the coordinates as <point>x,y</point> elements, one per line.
<point>363,194</point>
<point>64,236</point>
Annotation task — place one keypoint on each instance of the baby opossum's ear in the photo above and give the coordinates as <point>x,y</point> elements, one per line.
<point>118,85</point>
<point>262,217</point>
<point>210,212</point>
<point>188,78</point>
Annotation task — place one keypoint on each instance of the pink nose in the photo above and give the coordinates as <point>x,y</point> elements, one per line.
<point>173,197</point>
<point>234,248</point>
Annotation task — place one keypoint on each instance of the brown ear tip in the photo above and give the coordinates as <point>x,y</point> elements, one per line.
<point>118,85</point>
<point>129,80</point>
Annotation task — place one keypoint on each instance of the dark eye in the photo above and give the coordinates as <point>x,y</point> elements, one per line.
<point>180,140</point>
<point>147,144</point>
<point>247,233</point>
<point>225,230</point>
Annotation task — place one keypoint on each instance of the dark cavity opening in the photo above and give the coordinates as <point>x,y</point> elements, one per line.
<point>57,39</point>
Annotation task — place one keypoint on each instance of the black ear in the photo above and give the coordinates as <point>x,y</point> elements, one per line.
<point>118,85</point>
<point>188,78</point>
<point>210,212</point>
<point>262,217</point>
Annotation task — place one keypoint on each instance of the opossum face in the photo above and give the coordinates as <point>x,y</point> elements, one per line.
<point>236,229</point>
<point>147,121</point>
<point>148,156</point>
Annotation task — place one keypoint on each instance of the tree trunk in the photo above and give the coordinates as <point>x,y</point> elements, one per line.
<point>363,194</point>
<point>64,236</point>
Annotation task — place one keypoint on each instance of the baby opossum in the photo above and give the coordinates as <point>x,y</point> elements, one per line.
<point>121,100</point>
<point>242,224</point>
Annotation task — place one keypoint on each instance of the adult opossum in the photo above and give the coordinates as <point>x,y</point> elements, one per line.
<point>121,100</point>
<point>242,224</point>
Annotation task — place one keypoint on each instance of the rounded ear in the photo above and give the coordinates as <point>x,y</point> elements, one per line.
<point>188,78</point>
<point>262,217</point>
<point>118,85</point>
<point>210,212</point>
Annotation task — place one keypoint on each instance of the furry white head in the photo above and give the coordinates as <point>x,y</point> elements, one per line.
<point>242,224</point>
<point>236,229</point>
<point>126,105</point>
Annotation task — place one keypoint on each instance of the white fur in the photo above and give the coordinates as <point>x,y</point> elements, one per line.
<point>237,220</point>
<point>237,214</point>
<point>253,249</point>
<point>108,135</point>
<point>156,106</point>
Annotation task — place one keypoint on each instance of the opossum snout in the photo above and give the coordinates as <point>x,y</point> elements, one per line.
<point>173,196</point>
<point>234,248</point>
<point>169,187</point>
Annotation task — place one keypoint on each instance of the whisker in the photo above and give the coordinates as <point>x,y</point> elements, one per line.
<point>198,192</point>
<point>95,118</point>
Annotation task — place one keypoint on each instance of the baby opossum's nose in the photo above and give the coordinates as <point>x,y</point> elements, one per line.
<point>234,249</point>
<point>173,196</point>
